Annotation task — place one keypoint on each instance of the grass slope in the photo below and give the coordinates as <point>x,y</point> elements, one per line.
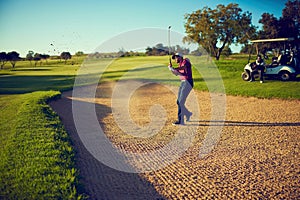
<point>37,157</point>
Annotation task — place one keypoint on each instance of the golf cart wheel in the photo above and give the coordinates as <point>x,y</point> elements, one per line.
<point>285,76</point>
<point>245,76</point>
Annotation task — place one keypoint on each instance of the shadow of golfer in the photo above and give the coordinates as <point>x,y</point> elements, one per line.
<point>239,123</point>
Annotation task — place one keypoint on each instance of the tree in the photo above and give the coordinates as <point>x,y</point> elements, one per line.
<point>214,29</point>
<point>248,48</point>
<point>29,56</point>
<point>149,51</point>
<point>270,28</point>
<point>287,26</point>
<point>227,51</point>
<point>79,53</point>
<point>36,58</point>
<point>13,57</point>
<point>290,20</point>
<point>161,50</point>
<point>45,57</point>
<point>182,50</point>
<point>66,56</point>
<point>3,59</point>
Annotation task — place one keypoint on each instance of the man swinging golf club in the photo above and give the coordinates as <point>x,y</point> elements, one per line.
<point>184,71</point>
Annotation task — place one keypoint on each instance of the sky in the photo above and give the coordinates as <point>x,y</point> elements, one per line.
<point>53,26</point>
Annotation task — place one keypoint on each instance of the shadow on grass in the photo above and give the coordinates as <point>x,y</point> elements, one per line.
<point>297,79</point>
<point>30,69</point>
<point>19,84</point>
<point>98,180</point>
<point>24,84</point>
<point>277,79</point>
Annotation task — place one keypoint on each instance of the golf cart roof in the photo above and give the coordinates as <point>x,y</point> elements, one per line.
<point>272,40</point>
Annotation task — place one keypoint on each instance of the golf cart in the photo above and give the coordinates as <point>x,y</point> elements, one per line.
<point>284,65</point>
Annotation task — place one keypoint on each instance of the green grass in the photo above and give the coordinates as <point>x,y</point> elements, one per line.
<point>37,159</point>
<point>58,76</point>
<point>53,75</point>
<point>205,74</point>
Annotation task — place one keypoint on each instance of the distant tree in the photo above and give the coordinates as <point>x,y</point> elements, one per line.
<point>121,52</point>
<point>79,53</point>
<point>45,57</point>
<point>248,48</point>
<point>197,52</point>
<point>182,50</point>
<point>97,55</point>
<point>227,51</point>
<point>29,56</point>
<point>213,29</point>
<point>149,51</point>
<point>66,56</point>
<point>37,57</point>
<point>161,50</point>
<point>13,58</point>
<point>3,59</point>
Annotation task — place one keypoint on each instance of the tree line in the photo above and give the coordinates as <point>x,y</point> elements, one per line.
<point>13,57</point>
<point>161,50</point>
<point>157,50</point>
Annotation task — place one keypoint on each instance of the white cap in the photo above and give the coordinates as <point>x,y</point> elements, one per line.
<point>177,55</point>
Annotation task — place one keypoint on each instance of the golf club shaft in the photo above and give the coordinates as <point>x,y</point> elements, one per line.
<point>169,43</point>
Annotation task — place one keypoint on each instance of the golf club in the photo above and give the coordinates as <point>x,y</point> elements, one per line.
<point>169,43</point>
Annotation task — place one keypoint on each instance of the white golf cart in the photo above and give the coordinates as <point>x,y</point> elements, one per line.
<point>284,66</point>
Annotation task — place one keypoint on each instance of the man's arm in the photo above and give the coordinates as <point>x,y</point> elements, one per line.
<point>174,71</point>
<point>181,67</point>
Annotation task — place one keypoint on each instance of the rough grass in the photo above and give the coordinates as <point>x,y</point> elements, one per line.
<point>37,156</point>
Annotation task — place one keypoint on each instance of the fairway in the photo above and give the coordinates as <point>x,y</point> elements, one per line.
<point>58,76</point>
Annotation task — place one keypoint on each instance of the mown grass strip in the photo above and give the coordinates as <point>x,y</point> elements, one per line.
<point>38,159</point>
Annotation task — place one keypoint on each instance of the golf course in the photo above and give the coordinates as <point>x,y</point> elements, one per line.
<point>43,157</point>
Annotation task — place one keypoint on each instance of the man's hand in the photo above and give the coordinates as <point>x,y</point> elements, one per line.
<point>174,71</point>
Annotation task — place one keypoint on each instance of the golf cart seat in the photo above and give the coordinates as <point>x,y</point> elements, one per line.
<point>283,59</point>
<point>274,63</point>
<point>294,62</point>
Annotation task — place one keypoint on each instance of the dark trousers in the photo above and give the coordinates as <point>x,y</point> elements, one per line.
<point>183,92</point>
<point>260,73</point>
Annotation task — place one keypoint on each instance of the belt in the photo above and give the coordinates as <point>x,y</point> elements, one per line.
<point>186,80</point>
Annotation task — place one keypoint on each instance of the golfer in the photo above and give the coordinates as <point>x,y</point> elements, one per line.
<point>184,71</point>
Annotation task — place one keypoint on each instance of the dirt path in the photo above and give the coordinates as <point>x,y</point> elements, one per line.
<point>257,155</point>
